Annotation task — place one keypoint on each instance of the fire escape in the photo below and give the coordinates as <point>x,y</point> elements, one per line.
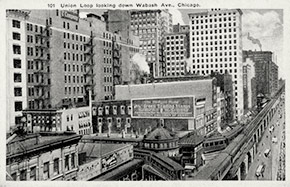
<point>42,85</point>
<point>89,66</point>
<point>117,64</point>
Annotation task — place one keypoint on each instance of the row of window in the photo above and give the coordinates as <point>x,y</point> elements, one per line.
<point>74,37</point>
<point>207,72</point>
<point>173,69</point>
<point>34,65</point>
<point>107,110</point>
<point>32,78</point>
<point>215,66</point>
<point>216,60</point>
<point>172,58</point>
<point>175,53</point>
<point>161,145</point>
<point>175,48</point>
<point>108,88</point>
<point>214,55</point>
<point>206,49</point>
<point>174,73</point>
<point>214,15</point>
<point>211,20</point>
<point>175,63</point>
<point>74,68</point>
<point>75,57</point>
<point>108,69</point>
<point>216,31</point>
<point>216,43</point>
<point>140,14</point>
<point>225,25</point>
<point>174,43</point>
<point>73,46</point>
<point>73,90</point>
<point>67,26</point>
<point>117,120</point>
<point>85,131</point>
<point>176,37</point>
<point>46,169</point>
<point>212,38</point>
<point>36,91</point>
<point>74,79</point>
<point>29,26</point>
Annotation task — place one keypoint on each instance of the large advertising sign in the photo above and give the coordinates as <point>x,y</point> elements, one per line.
<point>169,107</point>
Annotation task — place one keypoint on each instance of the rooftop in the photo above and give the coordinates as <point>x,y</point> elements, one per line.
<point>192,139</point>
<point>24,144</point>
<point>160,133</point>
<point>97,150</point>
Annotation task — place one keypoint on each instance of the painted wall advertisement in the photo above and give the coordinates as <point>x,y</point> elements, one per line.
<point>117,158</point>
<point>171,107</point>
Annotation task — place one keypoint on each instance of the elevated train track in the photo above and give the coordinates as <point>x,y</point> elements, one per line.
<point>226,163</point>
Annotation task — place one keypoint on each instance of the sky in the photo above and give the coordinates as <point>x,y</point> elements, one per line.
<point>265,25</point>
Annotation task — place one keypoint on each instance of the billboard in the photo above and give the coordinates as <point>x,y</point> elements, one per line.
<point>168,107</point>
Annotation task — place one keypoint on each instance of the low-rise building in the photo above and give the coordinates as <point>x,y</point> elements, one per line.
<point>77,119</point>
<point>42,156</point>
<point>96,159</point>
<point>162,141</point>
<point>200,95</point>
<point>191,149</point>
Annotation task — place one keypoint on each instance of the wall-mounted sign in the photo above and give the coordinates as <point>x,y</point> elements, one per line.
<point>109,162</point>
<point>70,14</point>
<point>169,107</point>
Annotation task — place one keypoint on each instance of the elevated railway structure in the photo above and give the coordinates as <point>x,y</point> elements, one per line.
<point>234,161</point>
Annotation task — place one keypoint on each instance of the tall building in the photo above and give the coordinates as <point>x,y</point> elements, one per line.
<point>249,79</point>
<point>225,84</point>
<point>266,71</point>
<point>16,86</point>
<point>177,51</point>
<point>59,57</point>
<point>216,45</point>
<point>151,27</point>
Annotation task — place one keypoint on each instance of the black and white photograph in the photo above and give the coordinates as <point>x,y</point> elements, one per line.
<point>144,92</point>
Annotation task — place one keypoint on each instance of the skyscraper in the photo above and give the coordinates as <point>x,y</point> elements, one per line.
<point>216,46</point>
<point>151,27</point>
<point>58,57</point>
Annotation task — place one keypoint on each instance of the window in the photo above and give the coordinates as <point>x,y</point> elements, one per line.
<point>66,163</point>
<point>17,92</point>
<point>16,49</point>
<point>46,170</point>
<point>18,120</point>
<point>14,176</point>
<point>17,77</point>
<point>23,175</point>
<point>16,36</point>
<point>73,160</point>
<point>33,173</point>
<point>16,63</point>
<point>15,23</point>
<point>18,106</point>
<point>56,166</point>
